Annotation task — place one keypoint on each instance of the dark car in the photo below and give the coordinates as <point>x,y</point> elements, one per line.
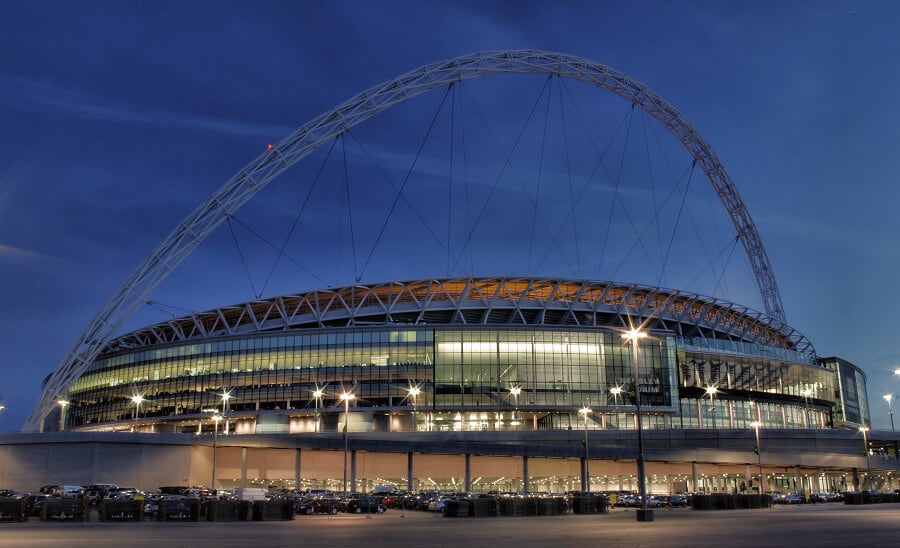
<point>318,506</point>
<point>364,506</point>
<point>33,504</point>
<point>678,501</point>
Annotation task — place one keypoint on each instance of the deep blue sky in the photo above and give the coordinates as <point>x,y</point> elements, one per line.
<point>120,117</point>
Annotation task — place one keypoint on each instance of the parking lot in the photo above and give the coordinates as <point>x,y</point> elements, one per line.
<point>821,525</point>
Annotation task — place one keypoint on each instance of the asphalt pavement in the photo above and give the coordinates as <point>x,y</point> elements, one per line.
<point>797,526</point>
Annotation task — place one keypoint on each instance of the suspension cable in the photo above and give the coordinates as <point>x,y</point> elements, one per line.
<point>562,116</point>
<point>296,221</point>
<point>241,255</point>
<point>506,165</point>
<point>405,181</point>
<point>537,194</point>
<point>677,219</point>
<point>263,239</point>
<point>349,206</point>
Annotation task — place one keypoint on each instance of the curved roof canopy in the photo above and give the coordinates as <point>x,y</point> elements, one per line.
<point>480,301</point>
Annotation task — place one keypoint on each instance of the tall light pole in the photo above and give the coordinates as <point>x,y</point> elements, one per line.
<point>62,403</point>
<point>216,418</point>
<point>865,430</point>
<point>634,335</point>
<point>137,400</point>
<point>515,391</point>
<point>226,395</point>
<point>346,397</point>
<point>414,391</point>
<point>616,391</point>
<point>317,394</point>
<point>889,398</point>
<point>758,450</point>
<point>711,391</point>
<point>587,455</point>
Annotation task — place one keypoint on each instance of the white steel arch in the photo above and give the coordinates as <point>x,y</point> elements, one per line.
<point>137,288</point>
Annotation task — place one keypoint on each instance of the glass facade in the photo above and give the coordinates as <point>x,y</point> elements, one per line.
<point>478,378</point>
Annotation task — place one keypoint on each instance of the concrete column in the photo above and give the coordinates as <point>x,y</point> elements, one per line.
<point>748,477</point>
<point>798,480</point>
<point>526,484</point>
<point>297,469</point>
<point>856,479</point>
<point>243,467</point>
<point>410,482</point>
<point>583,475</point>
<point>468,473</point>
<point>694,478</point>
<point>353,470</point>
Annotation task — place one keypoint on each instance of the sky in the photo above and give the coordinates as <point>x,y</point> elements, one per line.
<point>121,117</point>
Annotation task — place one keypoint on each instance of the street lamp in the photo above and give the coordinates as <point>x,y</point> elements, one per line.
<point>616,391</point>
<point>587,456</point>
<point>515,391</point>
<point>634,335</point>
<point>62,413</point>
<point>889,398</point>
<point>865,430</point>
<point>711,391</point>
<point>317,394</point>
<point>137,400</point>
<point>216,418</point>
<point>346,397</point>
<point>226,395</point>
<point>413,392</point>
<point>758,450</point>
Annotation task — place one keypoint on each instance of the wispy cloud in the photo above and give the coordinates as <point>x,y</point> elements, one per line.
<point>37,96</point>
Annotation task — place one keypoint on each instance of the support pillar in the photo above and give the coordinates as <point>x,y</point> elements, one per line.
<point>798,481</point>
<point>243,467</point>
<point>694,482</point>
<point>748,477</point>
<point>297,470</point>
<point>468,473</point>
<point>856,479</point>
<point>410,482</point>
<point>353,471</point>
<point>526,483</point>
<point>584,484</point>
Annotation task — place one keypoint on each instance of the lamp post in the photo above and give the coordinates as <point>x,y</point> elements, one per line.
<point>346,397</point>
<point>865,430</point>
<point>62,413</point>
<point>413,392</point>
<point>758,450</point>
<point>587,456</point>
<point>216,418</point>
<point>616,391</point>
<point>889,398</point>
<point>226,395</point>
<point>137,400</point>
<point>634,335</point>
<point>711,391</point>
<point>317,394</point>
<point>515,391</point>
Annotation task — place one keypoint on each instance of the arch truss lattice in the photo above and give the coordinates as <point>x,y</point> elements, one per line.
<point>191,232</point>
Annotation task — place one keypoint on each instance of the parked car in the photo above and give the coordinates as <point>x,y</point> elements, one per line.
<point>318,506</point>
<point>364,506</point>
<point>33,504</point>
<point>678,501</point>
<point>794,498</point>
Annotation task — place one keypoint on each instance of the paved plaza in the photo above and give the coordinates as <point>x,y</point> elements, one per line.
<point>813,525</point>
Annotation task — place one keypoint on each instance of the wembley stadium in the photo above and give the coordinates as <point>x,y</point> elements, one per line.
<point>471,383</point>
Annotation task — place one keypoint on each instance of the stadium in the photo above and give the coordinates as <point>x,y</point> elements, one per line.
<point>462,384</point>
